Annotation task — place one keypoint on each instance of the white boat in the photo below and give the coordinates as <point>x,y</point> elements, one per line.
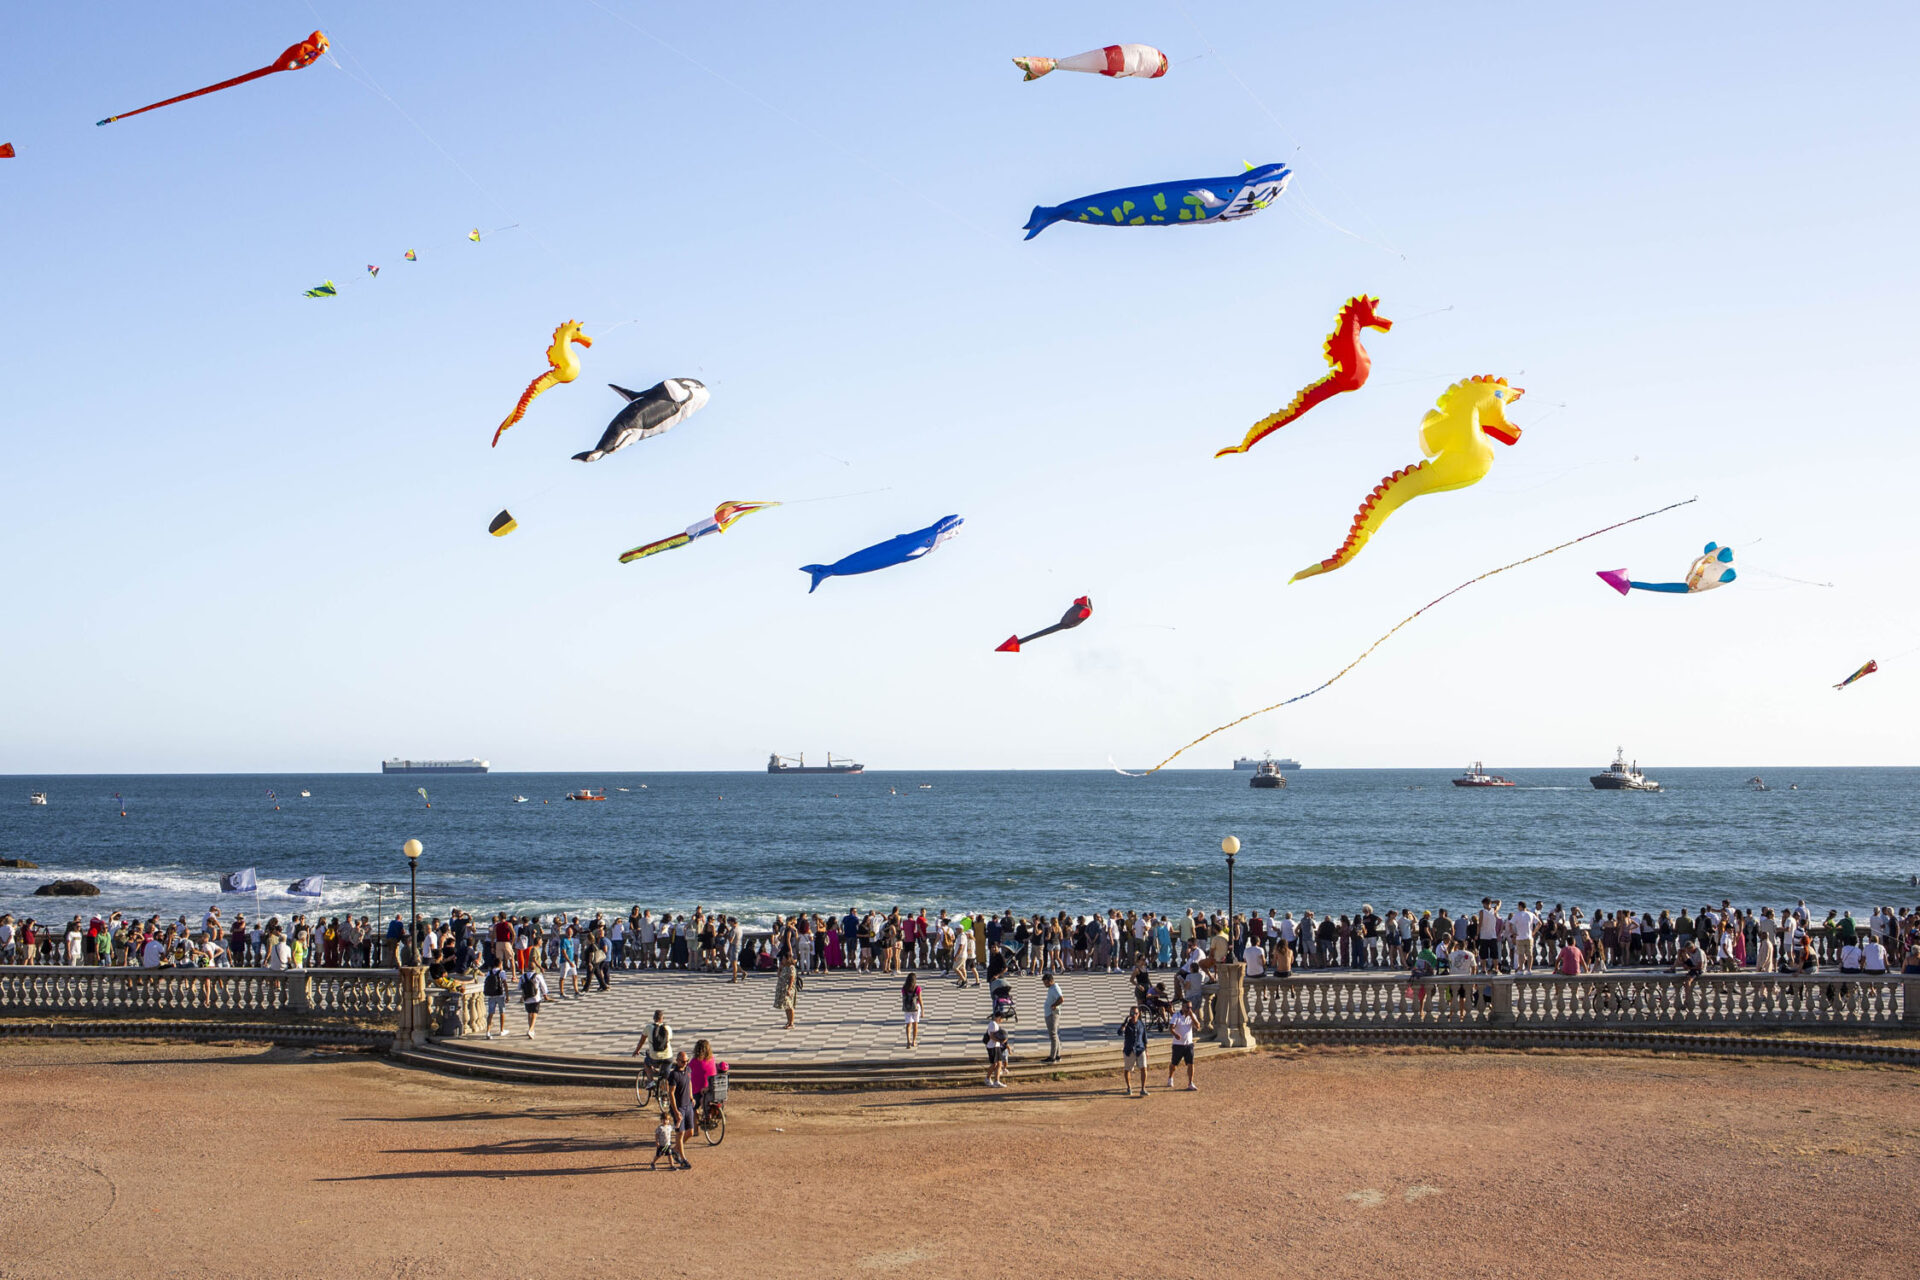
<point>1621,776</point>
<point>519,799</point>
<point>1479,777</point>
<point>306,795</point>
<point>37,797</point>
<point>926,786</point>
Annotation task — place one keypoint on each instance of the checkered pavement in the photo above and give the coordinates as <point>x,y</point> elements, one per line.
<point>842,1017</point>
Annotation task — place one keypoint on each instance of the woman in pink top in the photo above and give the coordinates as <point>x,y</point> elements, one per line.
<point>703,1068</point>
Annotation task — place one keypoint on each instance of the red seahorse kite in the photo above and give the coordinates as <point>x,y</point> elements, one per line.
<point>292,58</point>
<point>566,367</point>
<point>1349,363</point>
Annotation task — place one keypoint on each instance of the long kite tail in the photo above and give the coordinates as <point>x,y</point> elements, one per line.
<point>534,388</point>
<point>1310,395</point>
<point>292,58</point>
<point>654,548</point>
<point>1387,497</point>
<point>1403,622</point>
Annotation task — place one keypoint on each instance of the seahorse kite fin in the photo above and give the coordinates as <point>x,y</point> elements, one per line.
<point>292,58</point>
<point>565,368</point>
<point>1348,360</point>
<point>1079,612</point>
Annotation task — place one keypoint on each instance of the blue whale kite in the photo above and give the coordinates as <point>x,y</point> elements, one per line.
<point>1193,200</point>
<point>884,555</point>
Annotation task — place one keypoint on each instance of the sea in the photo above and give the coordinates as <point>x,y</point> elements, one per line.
<point>753,844</point>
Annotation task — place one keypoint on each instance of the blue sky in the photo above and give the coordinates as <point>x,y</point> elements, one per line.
<point>246,530</point>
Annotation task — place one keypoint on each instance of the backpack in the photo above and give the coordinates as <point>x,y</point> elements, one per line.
<point>527,990</point>
<point>660,1035</point>
<point>496,983</point>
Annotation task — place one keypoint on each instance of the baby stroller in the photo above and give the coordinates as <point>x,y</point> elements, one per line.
<point>1003,1010</point>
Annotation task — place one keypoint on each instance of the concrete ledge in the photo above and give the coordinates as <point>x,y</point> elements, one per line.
<point>196,1029</point>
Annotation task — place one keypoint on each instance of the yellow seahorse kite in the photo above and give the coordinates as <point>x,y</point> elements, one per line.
<point>1454,436</point>
<point>566,367</point>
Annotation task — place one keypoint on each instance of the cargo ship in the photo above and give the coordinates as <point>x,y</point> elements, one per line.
<point>777,763</point>
<point>1247,763</point>
<point>397,765</point>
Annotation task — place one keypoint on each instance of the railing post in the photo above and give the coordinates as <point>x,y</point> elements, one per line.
<point>1910,1001</point>
<point>1502,1002</point>
<point>300,992</point>
<point>1230,1006</point>
<point>411,1024</point>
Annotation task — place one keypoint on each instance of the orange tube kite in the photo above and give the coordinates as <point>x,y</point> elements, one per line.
<point>292,58</point>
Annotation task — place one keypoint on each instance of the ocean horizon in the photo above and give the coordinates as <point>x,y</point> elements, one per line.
<point>753,844</point>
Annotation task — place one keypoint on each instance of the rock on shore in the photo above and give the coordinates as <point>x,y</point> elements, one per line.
<point>67,889</point>
<point>19,864</point>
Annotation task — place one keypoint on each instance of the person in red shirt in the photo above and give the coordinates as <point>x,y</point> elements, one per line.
<point>503,940</point>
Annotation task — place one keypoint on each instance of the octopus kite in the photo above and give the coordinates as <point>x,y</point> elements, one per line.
<point>566,367</point>
<point>1344,354</point>
<point>1141,60</point>
<point>720,521</point>
<point>1867,670</point>
<point>1454,435</point>
<point>292,58</point>
<point>1081,610</point>
<point>1712,568</point>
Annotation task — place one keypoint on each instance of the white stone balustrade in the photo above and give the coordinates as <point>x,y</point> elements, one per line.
<point>230,994</point>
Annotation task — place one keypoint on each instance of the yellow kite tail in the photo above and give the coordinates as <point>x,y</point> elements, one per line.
<point>534,388</point>
<point>655,548</point>
<point>1386,498</point>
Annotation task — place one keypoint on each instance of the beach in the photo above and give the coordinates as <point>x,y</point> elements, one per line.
<point>221,1160</point>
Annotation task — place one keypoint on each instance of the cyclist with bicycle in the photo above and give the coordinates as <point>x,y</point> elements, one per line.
<point>657,1044</point>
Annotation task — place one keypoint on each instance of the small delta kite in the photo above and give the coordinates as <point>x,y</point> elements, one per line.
<point>292,58</point>
<point>1349,362</point>
<point>1082,610</point>
<point>1116,60</point>
<point>1190,200</point>
<point>1712,568</point>
<point>884,555</point>
<point>720,521</point>
<point>565,368</point>
<point>503,524</point>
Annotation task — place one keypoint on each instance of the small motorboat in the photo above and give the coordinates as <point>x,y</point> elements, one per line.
<point>37,797</point>
<point>1757,784</point>
<point>588,793</point>
<point>926,786</point>
<point>306,795</point>
<point>1267,777</point>
<point>619,788</point>
<point>1479,777</point>
<point>519,799</point>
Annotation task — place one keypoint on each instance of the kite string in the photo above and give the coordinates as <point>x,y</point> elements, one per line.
<point>1403,622</point>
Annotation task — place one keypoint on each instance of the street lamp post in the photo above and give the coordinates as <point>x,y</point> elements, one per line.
<point>412,849</point>
<point>1231,847</point>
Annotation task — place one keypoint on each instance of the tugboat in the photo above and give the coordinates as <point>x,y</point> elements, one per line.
<point>1479,777</point>
<point>588,793</point>
<point>1267,776</point>
<point>1620,776</point>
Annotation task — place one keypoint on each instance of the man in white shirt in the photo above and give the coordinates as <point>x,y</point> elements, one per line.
<point>1489,931</point>
<point>1256,961</point>
<point>1182,1026</point>
<point>617,936</point>
<point>648,932</point>
<point>279,955</point>
<point>1524,923</point>
<point>1850,958</point>
<point>152,952</point>
<point>1873,957</point>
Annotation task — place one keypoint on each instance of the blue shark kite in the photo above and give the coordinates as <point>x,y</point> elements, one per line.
<point>1195,200</point>
<point>884,555</point>
<point>1713,568</point>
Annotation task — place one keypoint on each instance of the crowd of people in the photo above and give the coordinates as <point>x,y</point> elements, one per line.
<point>581,952</point>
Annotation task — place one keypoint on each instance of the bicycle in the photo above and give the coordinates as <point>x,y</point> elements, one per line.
<point>711,1115</point>
<point>650,1084</point>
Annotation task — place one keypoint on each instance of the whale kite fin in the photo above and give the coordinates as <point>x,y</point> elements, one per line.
<point>1011,646</point>
<point>819,572</point>
<point>1043,217</point>
<point>1615,578</point>
<point>630,395</point>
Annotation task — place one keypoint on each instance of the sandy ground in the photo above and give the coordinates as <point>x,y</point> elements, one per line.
<point>147,1159</point>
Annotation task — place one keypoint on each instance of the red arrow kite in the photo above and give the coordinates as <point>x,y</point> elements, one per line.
<point>1082,610</point>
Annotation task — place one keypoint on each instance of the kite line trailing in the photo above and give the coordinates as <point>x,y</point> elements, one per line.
<point>1403,622</point>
